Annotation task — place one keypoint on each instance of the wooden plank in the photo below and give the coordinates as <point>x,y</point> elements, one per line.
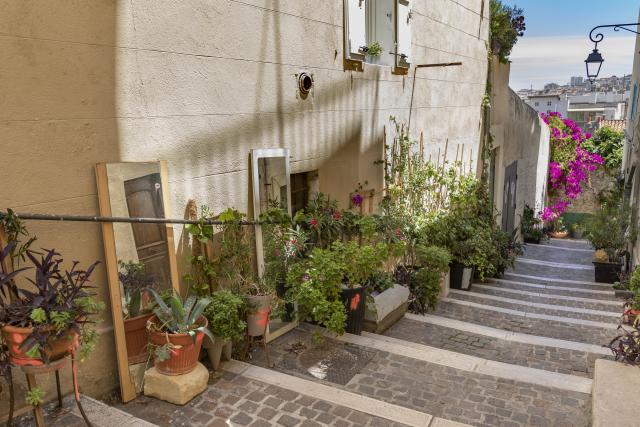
<point>127,386</point>
<point>173,264</point>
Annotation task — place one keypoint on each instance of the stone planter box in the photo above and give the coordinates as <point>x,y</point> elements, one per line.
<point>386,309</point>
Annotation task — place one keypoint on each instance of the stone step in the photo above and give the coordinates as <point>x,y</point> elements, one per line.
<point>420,378</point>
<point>599,288</point>
<point>545,357</point>
<point>520,321</point>
<point>547,297</point>
<point>569,243</point>
<point>535,268</point>
<point>559,255</point>
<point>555,265</point>
<point>595,317</point>
<point>576,249</point>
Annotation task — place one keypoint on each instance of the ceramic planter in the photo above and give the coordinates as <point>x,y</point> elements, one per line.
<point>185,351</point>
<point>354,300</point>
<point>135,331</point>
<point>217,350</point>
<point>14,336</point>
<point>259,307</point>
<point>607,272</point>
<point>577,234</point>
<point>385,309</point>
<point>559,234</point>
<point>460,276</point>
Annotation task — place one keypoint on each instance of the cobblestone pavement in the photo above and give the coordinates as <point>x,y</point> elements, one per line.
<point>553,359</point>
<point>232,400</point>
<point>508,322</point>
<point>441,391</point>
<point>532,309</point>
<point>54,417</point>
<point>542,300</point>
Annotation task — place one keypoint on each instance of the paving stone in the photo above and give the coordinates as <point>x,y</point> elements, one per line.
<point>288,421</point>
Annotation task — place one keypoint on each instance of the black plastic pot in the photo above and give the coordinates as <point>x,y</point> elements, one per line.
<point>532,240</point>
<point>289,308</point>
<point>607,272</point>
<point>457,274</point>
<point>354,301</point>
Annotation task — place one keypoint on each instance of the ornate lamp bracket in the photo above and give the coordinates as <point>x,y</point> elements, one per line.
<point>598,37</point>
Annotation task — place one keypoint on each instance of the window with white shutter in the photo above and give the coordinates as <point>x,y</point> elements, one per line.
<point>377,32</point>
<point>403,30</point>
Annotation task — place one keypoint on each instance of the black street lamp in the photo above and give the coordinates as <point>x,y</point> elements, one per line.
<point>594,60</point>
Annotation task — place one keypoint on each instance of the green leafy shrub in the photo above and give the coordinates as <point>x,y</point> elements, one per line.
<point>507,24</point>
<point>608,143</point>
<point>608,226</point>
<point>531,226</point>
<point>425,286</point>
<point>224,315</point>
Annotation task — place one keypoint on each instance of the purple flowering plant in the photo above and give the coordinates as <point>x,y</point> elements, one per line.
<point>570,164</point>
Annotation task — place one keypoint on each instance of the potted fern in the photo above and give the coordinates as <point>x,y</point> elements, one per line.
<point>176,332</point>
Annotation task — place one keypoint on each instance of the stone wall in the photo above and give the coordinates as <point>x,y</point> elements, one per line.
<point>200,83</point>
<point>588,200</point>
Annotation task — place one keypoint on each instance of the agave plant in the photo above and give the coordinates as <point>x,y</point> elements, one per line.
<point>179,317</point>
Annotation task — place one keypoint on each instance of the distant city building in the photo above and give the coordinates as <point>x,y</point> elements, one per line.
<point>576,81</point>
<point>548,103</point>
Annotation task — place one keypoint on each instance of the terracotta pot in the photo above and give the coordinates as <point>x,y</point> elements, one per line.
<point>629,316</point>
<point>14,336</point>
<point>559,234</point>
<point>135,331</point>
<point>217,350</point>
<point>184,354</point>
<point>259,307</point>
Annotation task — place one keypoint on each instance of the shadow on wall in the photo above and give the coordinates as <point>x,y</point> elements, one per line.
<point>57,119</point>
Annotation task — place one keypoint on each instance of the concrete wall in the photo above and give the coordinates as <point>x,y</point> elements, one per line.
<point>519,135</point>
<point>199,83</point>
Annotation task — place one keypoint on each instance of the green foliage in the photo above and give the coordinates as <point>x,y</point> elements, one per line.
<point>508,248</point>
<point>507,24</point>
<point>16,231</point>
<point>374,50</point>
<point>607,228</point>
<point>35,396</point>
<point>223,313</point>
<point>634,281</point>
<point>202,268</point>
<point>322,219</point>
<point>609,144</point>
<point>235,262</point>
<point>38,315</point>
<point>531,226</point>
<point>135,281</point>
<point>359,263</point>
<point>425,286</point>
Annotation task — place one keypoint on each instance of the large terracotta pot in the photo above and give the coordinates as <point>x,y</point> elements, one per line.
<point>135,331</point>
<point>259,307</point>
<point>184,354</point>
<point>14,336</point>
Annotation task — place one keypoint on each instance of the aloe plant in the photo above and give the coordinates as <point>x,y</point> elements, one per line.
<point>180,317</point>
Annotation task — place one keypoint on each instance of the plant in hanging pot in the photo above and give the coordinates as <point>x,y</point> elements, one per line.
<point>176,332</point>
<point>53,317</point>
<point>137,310</point>
<point>225,324</point>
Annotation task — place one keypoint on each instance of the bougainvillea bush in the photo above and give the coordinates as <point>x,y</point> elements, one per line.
<point>570,164</point>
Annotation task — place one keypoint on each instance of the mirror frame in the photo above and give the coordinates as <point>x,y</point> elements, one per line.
<point>127,385</point>
<point>256,155</point>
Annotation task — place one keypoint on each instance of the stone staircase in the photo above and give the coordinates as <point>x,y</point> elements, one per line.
<point>517,351</point>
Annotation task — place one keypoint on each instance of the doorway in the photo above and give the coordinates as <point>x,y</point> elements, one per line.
<point>509,197</point>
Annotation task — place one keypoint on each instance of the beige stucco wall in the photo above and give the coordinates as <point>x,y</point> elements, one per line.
<point>519,135</point>
<point>199,83</point>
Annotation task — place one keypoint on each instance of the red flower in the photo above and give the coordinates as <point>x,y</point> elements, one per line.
<point>313,222</point>
<point>355,302</point>
<point>337,215</point>
<point>398,232</point>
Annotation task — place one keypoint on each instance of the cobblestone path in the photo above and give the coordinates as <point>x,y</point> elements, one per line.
<point>516,351</point>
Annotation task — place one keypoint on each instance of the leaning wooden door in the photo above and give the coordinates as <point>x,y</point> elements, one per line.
<point>144,200</point>
<point>509,197</point>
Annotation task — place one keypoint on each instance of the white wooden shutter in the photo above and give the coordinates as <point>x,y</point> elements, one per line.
<point>403,37</point>
<point>356,35</point>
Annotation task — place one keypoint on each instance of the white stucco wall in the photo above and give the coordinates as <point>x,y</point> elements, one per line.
<point>519,135</point>
<point>199,83</point>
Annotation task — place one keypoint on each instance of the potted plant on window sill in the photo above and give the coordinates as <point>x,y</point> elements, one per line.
<point>176,332</point>
<point>223,314</point>
<point>135,284</point>
<point>53,318</point>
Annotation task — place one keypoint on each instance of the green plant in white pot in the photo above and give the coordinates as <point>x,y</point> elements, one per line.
<point>225,323</point>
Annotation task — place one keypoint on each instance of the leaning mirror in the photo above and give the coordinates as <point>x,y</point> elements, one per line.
<point>271,190</point>
<point>139,256</point>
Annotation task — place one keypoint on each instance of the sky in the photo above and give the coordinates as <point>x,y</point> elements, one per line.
<point>556,41</point>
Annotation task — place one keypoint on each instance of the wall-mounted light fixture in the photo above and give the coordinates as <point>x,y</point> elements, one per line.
<point>305,84</point>
<point>594,60</point>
